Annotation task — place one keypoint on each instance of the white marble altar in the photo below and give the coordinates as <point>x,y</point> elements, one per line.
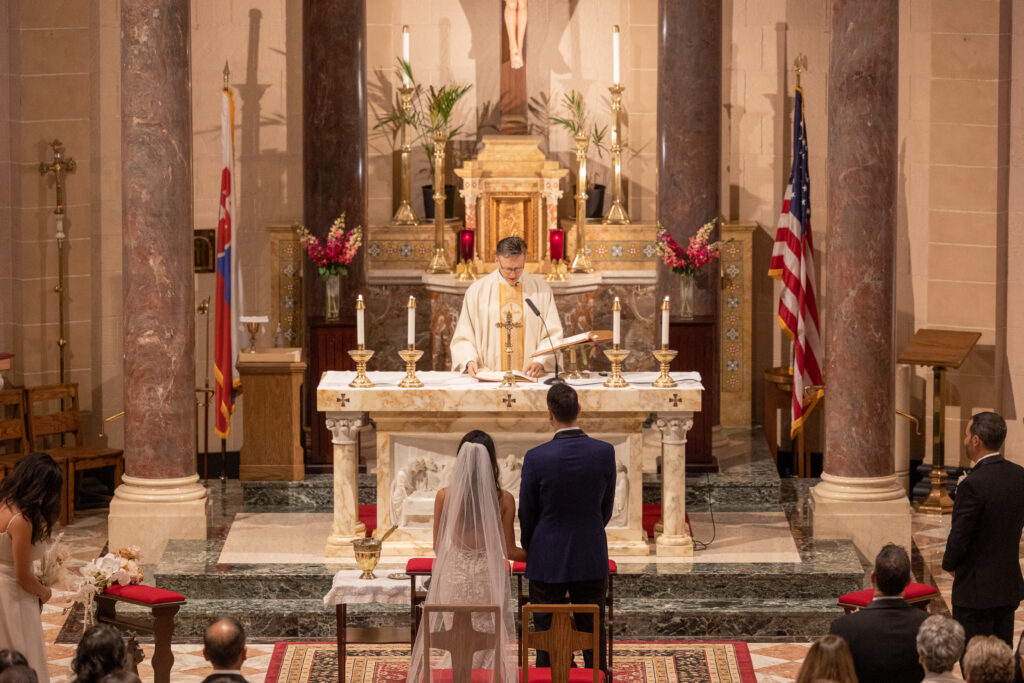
<point>418,431</point>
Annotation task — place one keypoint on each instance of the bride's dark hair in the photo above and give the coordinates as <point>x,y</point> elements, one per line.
<point>485,440</point>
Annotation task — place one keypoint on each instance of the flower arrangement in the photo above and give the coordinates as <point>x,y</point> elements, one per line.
<point>122,568</point>
<point>698,253</point>
<point>336,253</point>
<point>49,569</point>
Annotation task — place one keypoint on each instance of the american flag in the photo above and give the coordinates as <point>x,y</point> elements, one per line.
<point>228,285</point>
<point>793,264</point>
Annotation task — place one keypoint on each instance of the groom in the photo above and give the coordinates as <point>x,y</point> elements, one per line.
<point>565,500</point>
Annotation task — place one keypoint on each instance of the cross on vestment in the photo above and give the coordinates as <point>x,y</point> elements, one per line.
<point>512,101</point>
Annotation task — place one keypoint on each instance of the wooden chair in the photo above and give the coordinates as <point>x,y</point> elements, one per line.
<point>43,426</point>
<point>560,641</point>
<point>12,430</point>
<point>463,641</point>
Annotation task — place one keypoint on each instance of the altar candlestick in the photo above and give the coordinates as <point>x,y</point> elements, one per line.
<point>616,323</point>
<point>615,54</point>
<point>664,323</point>
<point>360,307</point>
<point>405,54</point>
<point>556,238</point>
<point>466,238</point>
<point>412,322</point>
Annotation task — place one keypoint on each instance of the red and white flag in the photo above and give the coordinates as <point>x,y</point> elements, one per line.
<point>793,264</point>
<point>227,302</point>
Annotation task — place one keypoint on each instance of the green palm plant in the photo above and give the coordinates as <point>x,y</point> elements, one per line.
<point>577,121</point>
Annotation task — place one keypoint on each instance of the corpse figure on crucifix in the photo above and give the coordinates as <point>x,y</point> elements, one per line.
<point>515,25</point>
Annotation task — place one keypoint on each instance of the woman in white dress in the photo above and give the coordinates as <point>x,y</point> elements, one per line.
<point>473,541</point>
<point>29,508</point>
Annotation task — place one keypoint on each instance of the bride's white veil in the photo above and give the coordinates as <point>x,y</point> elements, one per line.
<point>470,567</point>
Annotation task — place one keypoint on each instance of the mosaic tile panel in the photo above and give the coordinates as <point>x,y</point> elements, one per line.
<point>394,247</point>
<point>736,316</point>
<point>616,247</point>
<point>286,285</point>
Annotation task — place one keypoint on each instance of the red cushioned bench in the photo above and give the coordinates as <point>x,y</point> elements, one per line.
<point>163,605</point>
<point>918,594</point>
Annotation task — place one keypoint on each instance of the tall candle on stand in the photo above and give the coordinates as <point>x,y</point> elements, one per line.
<point>412,322</point>
<point>616,324</point>
<point>360,335</point>
<point>405,54</point>
<point>664,323</point>
<point>615,54</point>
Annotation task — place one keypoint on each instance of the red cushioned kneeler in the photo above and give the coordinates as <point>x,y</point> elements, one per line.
<point>163,606</point>
<point>916,594</point>
<point>149,595</point>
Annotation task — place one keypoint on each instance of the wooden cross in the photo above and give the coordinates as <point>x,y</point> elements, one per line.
<point>510,379</point>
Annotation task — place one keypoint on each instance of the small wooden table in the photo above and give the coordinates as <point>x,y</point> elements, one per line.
<point>349,588</point>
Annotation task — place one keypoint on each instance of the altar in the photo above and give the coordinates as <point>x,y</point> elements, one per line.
<point>418,430</point>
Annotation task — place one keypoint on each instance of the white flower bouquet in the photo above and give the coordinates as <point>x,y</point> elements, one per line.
<point>49,569</point>
<point>122,568</point>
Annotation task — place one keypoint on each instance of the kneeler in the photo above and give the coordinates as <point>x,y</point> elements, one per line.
<point>163,606</point>
<point>917,594</point>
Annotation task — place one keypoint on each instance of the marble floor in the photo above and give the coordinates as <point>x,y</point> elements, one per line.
<point>774,662</point>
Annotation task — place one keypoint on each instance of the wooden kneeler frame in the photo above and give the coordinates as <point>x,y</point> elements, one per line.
<point>161,626</point>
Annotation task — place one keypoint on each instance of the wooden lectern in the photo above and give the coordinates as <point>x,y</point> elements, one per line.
<point>939,349</point>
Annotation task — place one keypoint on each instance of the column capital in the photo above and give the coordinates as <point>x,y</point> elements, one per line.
<point>344,427</point>
<point>674,426</point>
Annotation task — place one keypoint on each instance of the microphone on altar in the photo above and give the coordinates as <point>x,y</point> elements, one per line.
<point>533,307</point>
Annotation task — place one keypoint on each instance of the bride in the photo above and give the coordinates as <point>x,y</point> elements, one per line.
<point>473,541</point>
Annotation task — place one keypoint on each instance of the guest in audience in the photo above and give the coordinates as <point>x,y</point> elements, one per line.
<point>29,508</point>
<point>19,674</point>
<point>224,648</point>
<point>121,676</point>
<point>988,659</point>
<point>940,642</point>
<point>883,635</point>
<point>9,658</point>
<point>828,659</point>
<point>100,652</point>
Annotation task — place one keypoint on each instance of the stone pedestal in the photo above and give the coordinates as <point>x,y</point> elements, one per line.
<point>344,428</point>
<point>148,512</point>
<point>674,541</point>
<point>871,511</point>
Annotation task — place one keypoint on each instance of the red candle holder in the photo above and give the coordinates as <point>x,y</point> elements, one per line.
<point>556,243</point>
<point>466,238</point>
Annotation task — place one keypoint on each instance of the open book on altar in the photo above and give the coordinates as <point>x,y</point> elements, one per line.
<point>499,375</point>
<point>595,336</point>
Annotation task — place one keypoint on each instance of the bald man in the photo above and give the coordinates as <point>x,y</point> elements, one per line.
<point>224,648</point>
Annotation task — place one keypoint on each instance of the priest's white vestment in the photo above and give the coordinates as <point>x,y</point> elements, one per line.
<point>477,337</point>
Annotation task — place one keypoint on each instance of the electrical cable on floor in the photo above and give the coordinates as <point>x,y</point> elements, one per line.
<point>701,545</point>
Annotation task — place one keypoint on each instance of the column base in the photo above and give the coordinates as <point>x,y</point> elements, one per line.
<point>870,511</point>
<point>632,542</point>
<point>149,512</point>
<point>340,545</point>
<point>674,546</point>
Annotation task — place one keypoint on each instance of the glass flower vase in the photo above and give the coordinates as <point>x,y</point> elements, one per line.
<point>686,297</point>
<point>332,286</point>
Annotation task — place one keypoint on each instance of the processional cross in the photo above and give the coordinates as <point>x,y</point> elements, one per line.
<point>509,380</point>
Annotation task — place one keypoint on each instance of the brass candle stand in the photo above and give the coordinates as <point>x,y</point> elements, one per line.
<point>59,167</point>
<point>361,355</point>
<point>617,212</point>
<point>616,356</point>
<point>410,356</point>
<point>581,261</point>
<point>573,371</point>
<point>559,272</point>
<point>664,355</point>
<point>439,262</point>
<point>405,215</point>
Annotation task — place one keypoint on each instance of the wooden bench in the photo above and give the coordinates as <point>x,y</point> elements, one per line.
<point>55,425</point>
<point>163,606</point>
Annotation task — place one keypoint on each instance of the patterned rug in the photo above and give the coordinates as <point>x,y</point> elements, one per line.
<point>649,662</point>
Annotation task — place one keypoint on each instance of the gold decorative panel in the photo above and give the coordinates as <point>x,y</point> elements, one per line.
<point>513,214</point>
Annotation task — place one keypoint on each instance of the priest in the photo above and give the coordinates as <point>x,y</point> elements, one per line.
<point>478,343</point>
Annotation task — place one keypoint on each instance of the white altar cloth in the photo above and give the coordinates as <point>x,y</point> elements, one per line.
<point>349,589</point>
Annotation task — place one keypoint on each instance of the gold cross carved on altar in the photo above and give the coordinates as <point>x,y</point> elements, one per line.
<point>509,380</point>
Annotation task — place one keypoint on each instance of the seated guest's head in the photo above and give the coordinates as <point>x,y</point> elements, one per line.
<point>224,644</point>
<point>511,257</point>
<point>9,658</point>
<point>19,674</point>
<point>100,651</point>
<point>485,440</point>
<point>121,676</point>
<point>892,571</point>
<point>563,405</point>
<point>828,658</point>
<point>988,660</point>
<point>940,642</point>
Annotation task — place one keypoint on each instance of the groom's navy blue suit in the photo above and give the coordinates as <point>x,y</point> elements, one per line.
<point>565,500</point>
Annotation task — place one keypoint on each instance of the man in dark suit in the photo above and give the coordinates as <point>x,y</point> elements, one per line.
<point>984,536</point>
<point>565,500</point>
<point>224,648</point>
<point>883,635</point>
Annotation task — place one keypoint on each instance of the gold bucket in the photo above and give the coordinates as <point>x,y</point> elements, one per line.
<point>367,552</point>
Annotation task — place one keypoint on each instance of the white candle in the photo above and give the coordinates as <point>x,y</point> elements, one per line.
<point>664,324</point>
<point>615,55</point>
<point>360,334</point>
<point>412,322</point>
<point>616,313</point>
<point>405,54</point>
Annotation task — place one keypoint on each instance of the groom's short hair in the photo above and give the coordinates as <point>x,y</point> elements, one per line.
<point>563,403</point>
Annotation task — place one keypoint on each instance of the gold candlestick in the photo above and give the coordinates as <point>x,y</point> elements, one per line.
<point>410,356</point>
<point>559,272</point>
<point>581,261</point>
<point>361,355</point>
<point>617,212</point>
<point>573,371</point>
<point>439,262</point>
<point>664,356</point>
<point>616,356</point>
<point>405,215</point>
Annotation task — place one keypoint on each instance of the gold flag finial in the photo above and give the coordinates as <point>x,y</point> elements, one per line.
<point>799,65</point>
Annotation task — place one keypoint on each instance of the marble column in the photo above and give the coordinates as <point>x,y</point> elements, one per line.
<point>860,496</point>
<point>160,497</point>
<point>344,428</point>
<point>675,540</point>
<point>334,133</point>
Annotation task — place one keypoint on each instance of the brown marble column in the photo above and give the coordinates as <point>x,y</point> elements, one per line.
<point>860,497</point>
<point>160,497</point>
<point>334,132</point>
